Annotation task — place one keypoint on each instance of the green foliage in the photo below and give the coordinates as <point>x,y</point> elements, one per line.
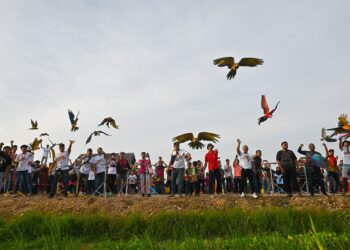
<point>232,229</point>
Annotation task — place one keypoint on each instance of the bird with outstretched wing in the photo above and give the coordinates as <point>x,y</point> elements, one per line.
<point>35,145</point>
<point>95,133</point>
<point>343,126</point>
<point>195,142</point>
<point>266,109</point>
<point>34,125</point>
<point>325,137</point>
<point>109,121</point>
<point>73,120</point>
<point>43,134</point>
<point>229,62</point>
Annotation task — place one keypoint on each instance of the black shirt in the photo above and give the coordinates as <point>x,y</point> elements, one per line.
<point>257,164</point>
<point>287,158</point>
<point>5,161</point>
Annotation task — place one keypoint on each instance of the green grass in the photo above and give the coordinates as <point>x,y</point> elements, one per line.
<point>233,229</point>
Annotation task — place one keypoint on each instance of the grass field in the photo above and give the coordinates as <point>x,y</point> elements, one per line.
<point>209,229</point>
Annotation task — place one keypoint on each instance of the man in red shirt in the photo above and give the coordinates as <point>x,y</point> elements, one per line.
<point>212,161</point>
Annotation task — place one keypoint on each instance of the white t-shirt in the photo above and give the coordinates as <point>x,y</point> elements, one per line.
<point>245,160</point>
<point>86,167</point>
<point>132,179</point>
<point>24,161</point>
<point>112,167</point>
<point>346,156</point>
<point>46,152</point>
<point>179,159</point>
<point>91,176</point>
<point>228,171</point>
<point>100,162</point>
<point>62,161</point>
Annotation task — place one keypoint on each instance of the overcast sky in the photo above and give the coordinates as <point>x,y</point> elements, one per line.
<point>149,65</point>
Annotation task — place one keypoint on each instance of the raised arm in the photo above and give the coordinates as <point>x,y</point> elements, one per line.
<point>69,150</point>
<point>238,150</point>
<point>300,151</point>
<point>326,149</point>
<point>340,143</point>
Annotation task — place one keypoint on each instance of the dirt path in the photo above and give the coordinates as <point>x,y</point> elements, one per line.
<point>115,206</point>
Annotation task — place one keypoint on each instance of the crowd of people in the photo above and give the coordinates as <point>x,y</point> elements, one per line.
<point>104,174</point>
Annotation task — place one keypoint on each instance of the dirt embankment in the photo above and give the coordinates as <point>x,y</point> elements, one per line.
<point>122,205</point>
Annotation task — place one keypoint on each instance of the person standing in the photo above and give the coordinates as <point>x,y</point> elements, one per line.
<point>212,161</point>
<point>237,169</point>
<point>228,176</point>
<point>61,169</point>
<point>145,165</point>
<point>333,170</point>
<point>257,171</point>
<point>23,162</point>
<point>84,172</point>
<point>99,162</point>
<point>123,168</point>
<point>246,161</point>
<point>112,173</point>
<point>344,148</point>
<point>177,165</point>
<point>287,162</point>
<point>313,171</point>
<point>5,166</point>
<point>160,167</point>
<point>46,153</point>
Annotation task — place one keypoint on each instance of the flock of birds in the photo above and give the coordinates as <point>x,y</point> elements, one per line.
<point>343,129</point>
<point>109,122</point>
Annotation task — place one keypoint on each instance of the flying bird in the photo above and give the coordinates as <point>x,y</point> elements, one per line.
<point>34,125</point>
<point>109,121</point>
<point>266,109</point>
<point>343,126</point>
<point>195,142</point>
<point>44,134</point>
<point>229,62</point>
<point>95,133</point>
<point>325,137</point>
<point>73,120</point>
<point>35,145</point>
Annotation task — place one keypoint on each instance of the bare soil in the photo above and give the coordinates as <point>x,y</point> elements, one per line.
<point>121,205</point>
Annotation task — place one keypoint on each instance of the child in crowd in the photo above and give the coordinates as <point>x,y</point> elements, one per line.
<point>132,182</point>
<point>91,182</point>
<point>72,183</point>
<point>190,175</point>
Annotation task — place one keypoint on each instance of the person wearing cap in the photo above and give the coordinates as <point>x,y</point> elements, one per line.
<point>212,161</point>
<point>246,161</point>
<point>344,148</point>
<point>287,162</point>
<point>62,168</point>
<point>23,162</point>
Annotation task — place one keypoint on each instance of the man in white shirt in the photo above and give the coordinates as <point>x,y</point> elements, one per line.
<point>62,168</point>
<point>177,164</point>
<point>99,162</point>
<point>246,162</point>
<point>46,152</point>
<point>84,171</point>
<point>344,148</point>
<point>23,163</point>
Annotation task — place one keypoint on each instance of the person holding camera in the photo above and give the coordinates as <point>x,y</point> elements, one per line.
<point>287,162</point>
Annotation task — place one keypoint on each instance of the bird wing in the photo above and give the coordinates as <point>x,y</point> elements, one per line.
<point>264,105</point>
<point>88,140</point>
<point>224,62</point>
<point>71,116</point>
<point>32,123</point>
<point>207,136</point>
<point>53,154</point>
<point>343,120</point>
<point>183,138</point>
<point>101,132</point>
<point>196,144</point>
<point>250,62</point>
<point>271,112</point>
<point>323,133</point>
<point>103,122</point>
